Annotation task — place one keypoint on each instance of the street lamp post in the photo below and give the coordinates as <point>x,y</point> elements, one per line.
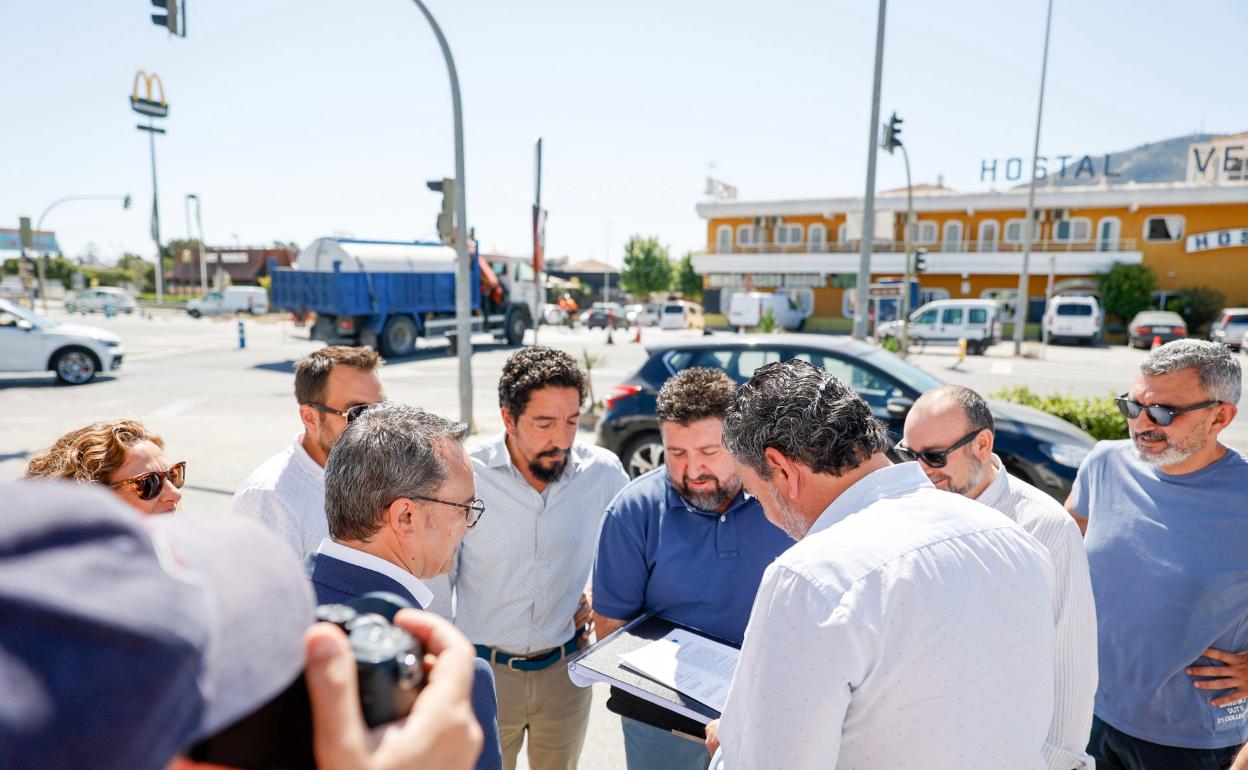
<point>42,264</point>
<point>463,281</point>
<point>868,203</point>
<point>1020,310</point>
<point>199,224</point>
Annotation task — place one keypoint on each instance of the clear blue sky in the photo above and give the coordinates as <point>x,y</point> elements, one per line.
<point>294,119</point>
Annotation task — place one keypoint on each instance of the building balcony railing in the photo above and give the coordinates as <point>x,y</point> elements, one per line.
<point>946,247</point>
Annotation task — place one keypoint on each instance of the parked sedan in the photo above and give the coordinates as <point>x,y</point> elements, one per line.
<point>601,318</point>
<point>1152,324</point>
<point>1034,446</point>
<point>32,343</point>
<point>101,299</point>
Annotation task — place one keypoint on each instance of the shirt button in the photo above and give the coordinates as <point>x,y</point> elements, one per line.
<point>723,517</point>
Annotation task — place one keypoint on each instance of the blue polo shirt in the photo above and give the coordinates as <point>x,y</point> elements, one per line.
<point>656,553</point>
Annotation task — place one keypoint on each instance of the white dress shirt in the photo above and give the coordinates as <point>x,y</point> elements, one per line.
<point>419,591</point>
<point>521,570</point>
<point>911,628</point>
<point>286,493</point>
<point>1075,685</point>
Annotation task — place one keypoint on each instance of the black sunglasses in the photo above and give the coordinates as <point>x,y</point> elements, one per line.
<point>1159,413</point>
<point>347,415</point>
<point>472,510</point>
<point>934,458</point>
<point>149,485</point>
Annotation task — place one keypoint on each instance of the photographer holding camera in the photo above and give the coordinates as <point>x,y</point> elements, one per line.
<point>132,644</point>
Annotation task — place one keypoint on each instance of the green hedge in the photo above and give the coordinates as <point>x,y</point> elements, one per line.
<point>1098,415</point>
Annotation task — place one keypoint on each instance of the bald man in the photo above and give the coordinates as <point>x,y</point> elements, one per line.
<point>949,432</point>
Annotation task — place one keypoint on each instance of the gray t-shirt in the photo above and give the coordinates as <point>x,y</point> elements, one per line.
<point>1169,563</point>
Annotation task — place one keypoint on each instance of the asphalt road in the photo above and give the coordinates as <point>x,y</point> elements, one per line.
<point>224,409</point>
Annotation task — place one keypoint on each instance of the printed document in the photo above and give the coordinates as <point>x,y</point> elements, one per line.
<point>690,664</point>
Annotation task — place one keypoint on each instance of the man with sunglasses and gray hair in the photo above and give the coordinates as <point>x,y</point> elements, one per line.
<point>949,432</point>
<point>399,498</point>
<point>1166,534</point>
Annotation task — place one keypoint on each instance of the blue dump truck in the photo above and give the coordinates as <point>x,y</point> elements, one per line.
<point>386,294</point>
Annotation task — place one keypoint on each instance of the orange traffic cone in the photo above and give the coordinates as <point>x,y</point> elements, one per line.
<point>1156,341</point>
<point>637,336</point>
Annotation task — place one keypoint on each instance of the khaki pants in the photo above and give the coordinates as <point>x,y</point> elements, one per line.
<point>554,711</point>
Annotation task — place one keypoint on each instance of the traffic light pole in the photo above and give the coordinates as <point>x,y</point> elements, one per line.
<point>868,213</point>
<point>1029,226</point>
<point>463,278</point>
<point>905,286</point>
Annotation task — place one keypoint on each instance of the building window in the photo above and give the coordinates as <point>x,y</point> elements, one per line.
<point>788,235</point>
<point>818,238</point>
<point>1107,233</point>
<point>1014,231</point>
<point>953,236</point>
<point>1076,230</point>
<point>723,239</point>
<point>748,235</point>
<point>923,232</point>
<point>988,234</point>
<point>840,233</point>
<point>1164,228</point>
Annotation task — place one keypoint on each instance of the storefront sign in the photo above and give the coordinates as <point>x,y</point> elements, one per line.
<point>1219,239</point>
<point>766,281</point>
<point>1011,169</point>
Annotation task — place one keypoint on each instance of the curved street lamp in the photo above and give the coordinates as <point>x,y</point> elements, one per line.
<point>125,204</point>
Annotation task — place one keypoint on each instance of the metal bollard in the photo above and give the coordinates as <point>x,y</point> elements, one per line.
<point>961,349</point>
<point>242,335</point>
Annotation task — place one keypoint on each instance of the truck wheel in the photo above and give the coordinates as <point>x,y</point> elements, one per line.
<point>515,326</point>
<point>399,337</point>
<point>75,366</point>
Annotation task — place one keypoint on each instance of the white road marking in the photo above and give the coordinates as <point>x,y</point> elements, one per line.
<point>1001,367</point>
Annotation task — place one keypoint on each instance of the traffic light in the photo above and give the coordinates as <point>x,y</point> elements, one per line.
<point>446,219</point>
<point>126,201</point>
<point>168,15</point>
<point>920,260</point>
<point>892,134</point>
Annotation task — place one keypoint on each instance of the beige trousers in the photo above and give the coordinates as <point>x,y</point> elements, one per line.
<point>545,703</point>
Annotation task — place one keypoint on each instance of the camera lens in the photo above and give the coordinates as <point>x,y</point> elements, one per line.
<point>375,640</point>
<point>338,614</point>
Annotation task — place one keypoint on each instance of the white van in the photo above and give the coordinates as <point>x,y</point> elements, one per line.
<point>946,321</point>
<point>679,314</point>
<point>1073,318</point>
<point>235,299</point>
<point>748,309</point>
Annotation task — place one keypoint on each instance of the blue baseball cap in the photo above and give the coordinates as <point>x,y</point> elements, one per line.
<point>125,639</point>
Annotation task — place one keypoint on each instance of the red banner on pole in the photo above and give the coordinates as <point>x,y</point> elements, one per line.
<point>539,237</point>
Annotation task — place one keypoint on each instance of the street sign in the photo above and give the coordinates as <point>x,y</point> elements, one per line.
<point>146,105</point>
<point>27,237</point>
<point>876,292</point>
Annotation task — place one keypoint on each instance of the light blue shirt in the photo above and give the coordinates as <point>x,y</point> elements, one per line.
<point>1169,562</point>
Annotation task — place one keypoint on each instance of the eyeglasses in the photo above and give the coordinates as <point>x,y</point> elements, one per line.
<point>472,510</point>
<point>347,415</point>
<point>149,485</point>
<point>1158,413</point>
<point>934,458</point>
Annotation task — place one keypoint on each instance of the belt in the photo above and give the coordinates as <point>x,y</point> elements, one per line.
<point>536,662</point>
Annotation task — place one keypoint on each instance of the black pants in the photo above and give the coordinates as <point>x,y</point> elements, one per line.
<point>1115,750</point>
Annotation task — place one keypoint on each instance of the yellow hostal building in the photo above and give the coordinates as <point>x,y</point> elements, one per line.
<point>1190,233</point>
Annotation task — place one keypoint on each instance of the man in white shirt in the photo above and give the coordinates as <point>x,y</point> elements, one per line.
<point>907,628</point>
<point>286,492</point>
<point>521,573</point>
<point>949,431</point>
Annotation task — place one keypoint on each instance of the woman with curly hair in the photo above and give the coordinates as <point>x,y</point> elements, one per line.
<point>120,454</point>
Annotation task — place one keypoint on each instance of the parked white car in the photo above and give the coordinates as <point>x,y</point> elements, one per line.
<point>235,299</point>
<point>679,314</point>
<point>946,321</point>
<point>32,343</point>
<point>100,299</point>
<point>1073,318</point>
<point>748,309</point>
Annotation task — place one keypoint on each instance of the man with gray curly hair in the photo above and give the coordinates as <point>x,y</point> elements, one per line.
<point>1166,533</point>
<point>908,627</point>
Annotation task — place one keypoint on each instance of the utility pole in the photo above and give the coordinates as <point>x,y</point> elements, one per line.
<point>199,222</point>
<point>539,242</point>
<point>868,213</point>
<point>1020,311</point>
<point>463,278</point>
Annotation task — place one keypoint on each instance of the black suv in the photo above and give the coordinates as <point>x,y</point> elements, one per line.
<point>1036,447</point>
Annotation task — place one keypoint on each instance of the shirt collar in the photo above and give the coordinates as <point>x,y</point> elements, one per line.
<point>419,591</point>
<point>674,500</point>
<point>305,461</point>
<point>497,456</point>
<point>886,482</point>
<point>999,488</point>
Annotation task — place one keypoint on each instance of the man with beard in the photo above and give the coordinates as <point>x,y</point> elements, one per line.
<point>685,542</point>
<point>286,492</point>
<point>521,573</point>
<point>1167,535</point>
<point>949,431</point>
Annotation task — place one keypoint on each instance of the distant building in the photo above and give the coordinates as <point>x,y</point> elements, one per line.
<point>1190,232</point>
<point>591,274</point>
<point>244,266</point>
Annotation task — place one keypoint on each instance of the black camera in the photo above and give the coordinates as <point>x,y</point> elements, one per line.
<point>389,661</point>
<point>278,735</point>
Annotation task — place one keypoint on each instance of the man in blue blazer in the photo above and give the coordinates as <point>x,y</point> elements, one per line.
<point>399,497</point>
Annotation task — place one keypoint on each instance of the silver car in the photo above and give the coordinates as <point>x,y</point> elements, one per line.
<point>100,299</point>
<point>1230,328</point>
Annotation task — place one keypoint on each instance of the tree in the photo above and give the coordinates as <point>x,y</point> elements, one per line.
<point>1126,290</point>
<point>1200,306</point>
<point>647,267</point>
<point>688,283</point>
